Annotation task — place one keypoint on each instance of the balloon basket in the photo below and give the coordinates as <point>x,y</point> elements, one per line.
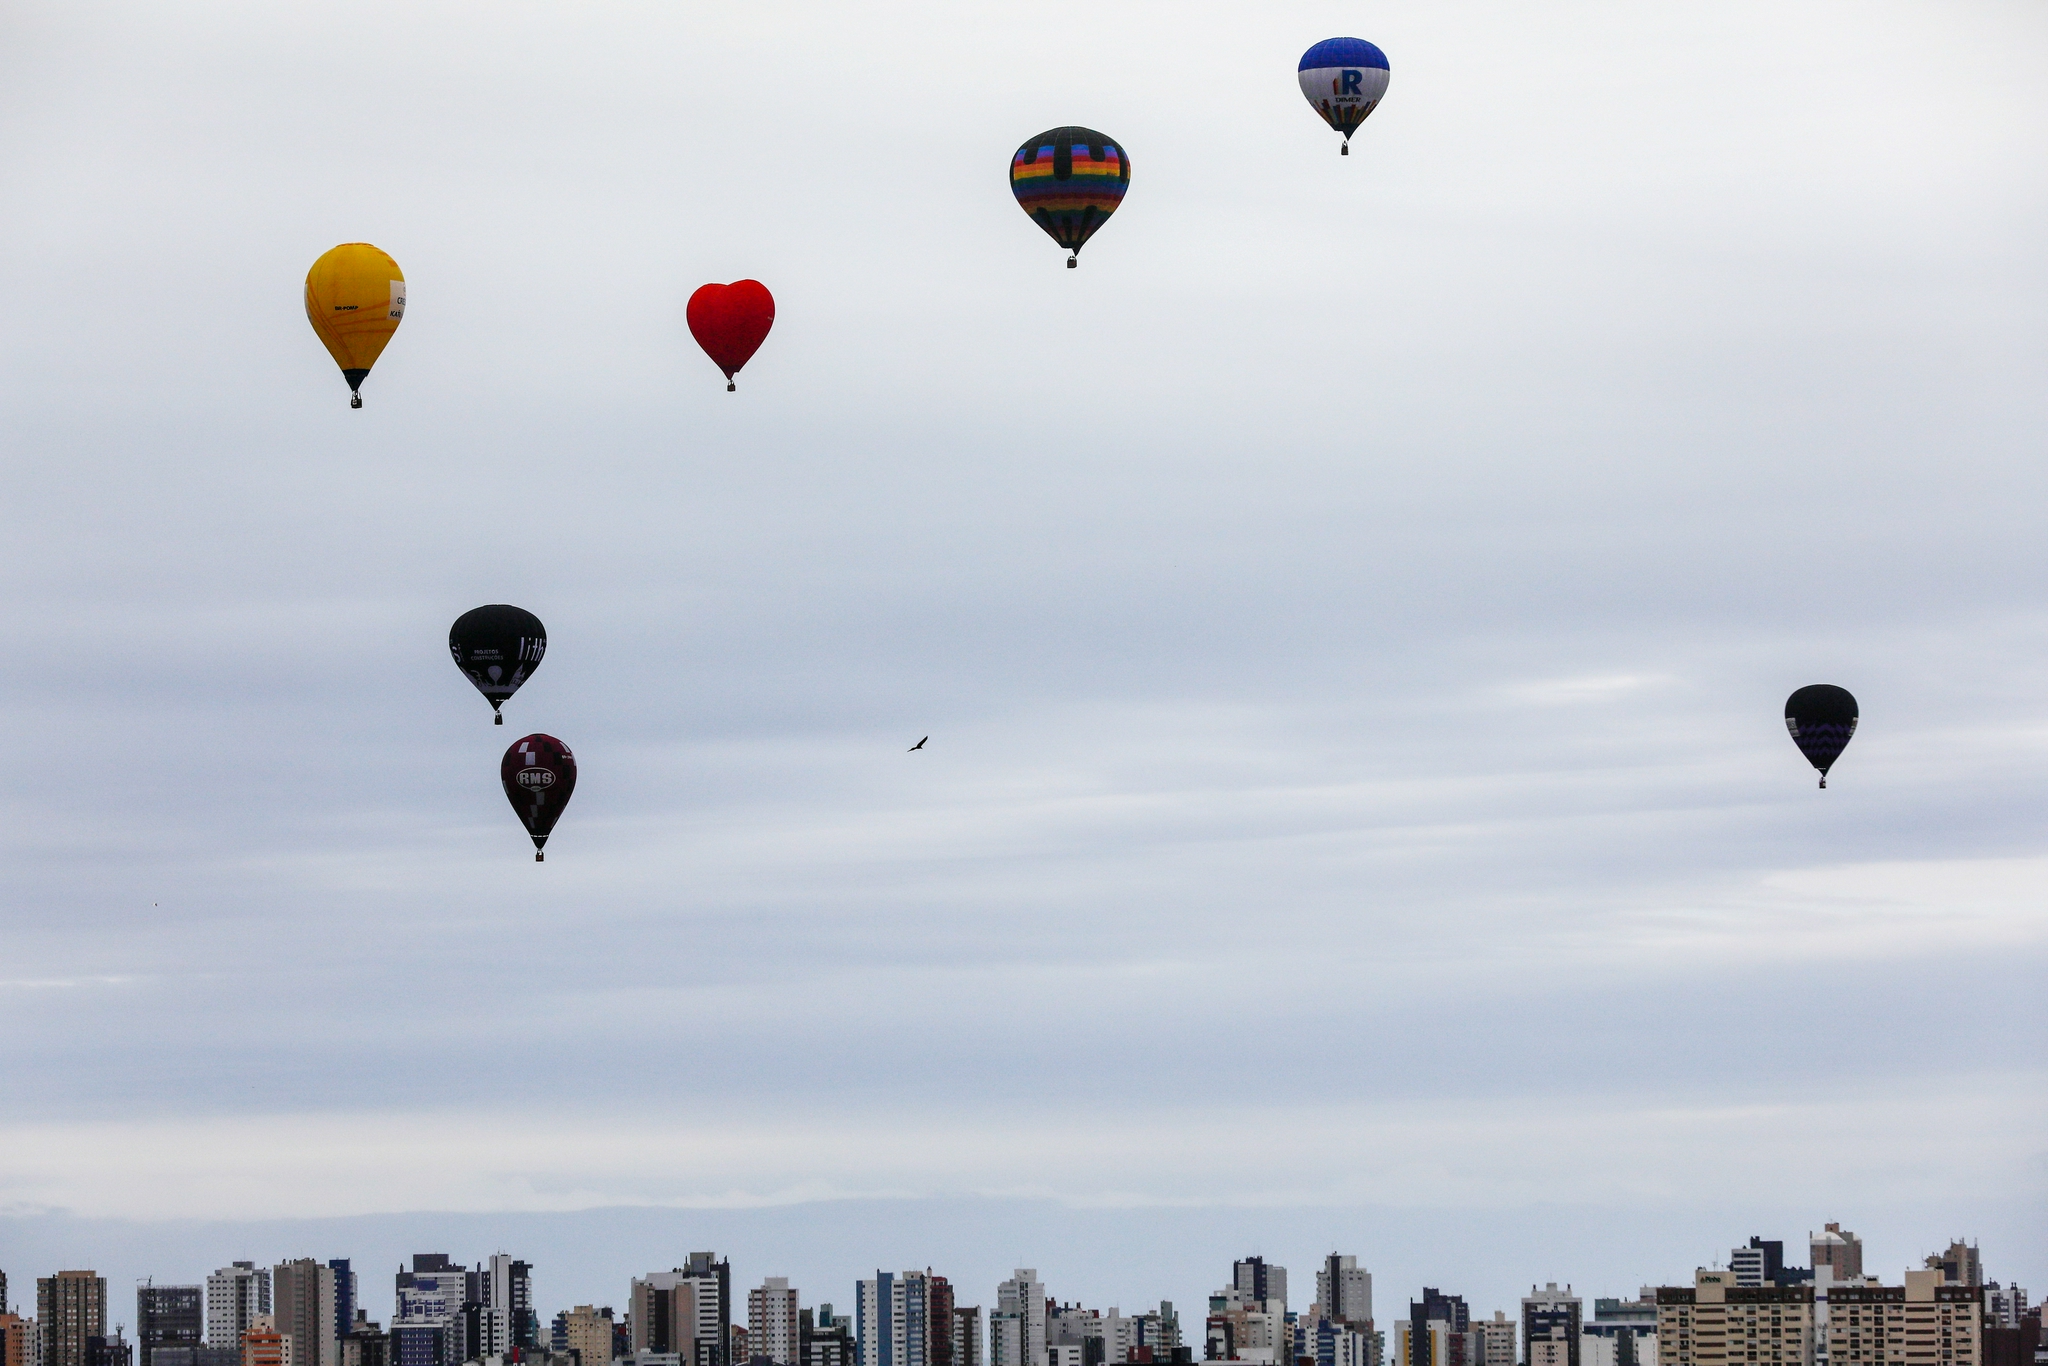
<point>355,400</point>
<point>1345,150</point>
<point>539,857</point>
<point>1823,782</point>
<point>1073,261</point>
<point>497,719</point>
<point>731,388</point>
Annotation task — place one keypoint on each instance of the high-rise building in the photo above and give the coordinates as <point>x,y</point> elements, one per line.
<point>1551,1319</point>
<point>236,1296</point>
<point>1960,1265</point>
<point>827,1337</point>
<point>423,1342</point>
<point>1622,1333</point>
<point>1098,1335</point>
<point>71,1306</point>
<point>1257,1281</point>
<point>774,1332</point>
<point>687,1311</point>
<point>168,1316</point>
<point>1929,1318</point>
<point>509,1291</point>
<point>966,1336</point>
<point>345,1298</point>
<point>1326,1341</point>
<point>1758,1264</point>
<point>1159,1333</point>
<point>365,1343</point>
<point>1343,1291</point>
<point>1496,1339</point>
<point>2004,1306</point>
<point>1016,1328</point>
<point>893,1320</point>
<point>263,1345</point>
<point>1763,1263</point>
<point>435,1289</point>
<point>1248,1318</point>
<point>1841,1252</point>
<point>588,1333</point>
<point>302,1304</point>
<point>14,1344</point>
<point>1715,1322</point>
<point>439,1318</point>
<point>1438,1332</point>
<point>939,1321</point>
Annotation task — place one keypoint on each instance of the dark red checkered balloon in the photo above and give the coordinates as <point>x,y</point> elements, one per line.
<point>539,773</point>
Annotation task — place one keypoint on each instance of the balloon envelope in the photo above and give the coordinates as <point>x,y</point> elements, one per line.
<point>1070,181</point>
<point>1345,79</point>
<point>1821,718</point>
<point>730,322</point>
<point>497,648</point>
<point>355,298</point>
<point>539,773</point>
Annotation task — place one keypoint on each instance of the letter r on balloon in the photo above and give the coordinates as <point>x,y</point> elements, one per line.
<point>1351,81</point>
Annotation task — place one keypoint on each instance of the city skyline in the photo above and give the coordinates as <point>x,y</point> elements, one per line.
<point>1351,615</point>
<point>1546,1327</point>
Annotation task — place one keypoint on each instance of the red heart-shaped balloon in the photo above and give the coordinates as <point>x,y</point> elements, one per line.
<point>731,321</point>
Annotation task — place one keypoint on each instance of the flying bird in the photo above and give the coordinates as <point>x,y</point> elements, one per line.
<point>916,747</point>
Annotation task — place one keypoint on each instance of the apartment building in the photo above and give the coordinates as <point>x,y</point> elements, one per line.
<point>1716,1322</point>
<point>774,1332</point>
<point>71,1308</point>
<point>1928,1321</point>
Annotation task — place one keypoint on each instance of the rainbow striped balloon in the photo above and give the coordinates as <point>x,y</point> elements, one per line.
<point>1070,181</point>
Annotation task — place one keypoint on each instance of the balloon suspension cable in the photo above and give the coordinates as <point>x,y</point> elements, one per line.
<point>355,400</point>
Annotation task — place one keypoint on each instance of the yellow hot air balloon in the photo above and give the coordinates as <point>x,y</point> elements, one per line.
<point>355,297</point>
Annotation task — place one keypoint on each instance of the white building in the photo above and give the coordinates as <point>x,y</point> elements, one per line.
<point>1343,1290</point>
<point>235,1296</point>
<point>1016,1329</point>
<point>893,1319</point>
<point>773,1328</point>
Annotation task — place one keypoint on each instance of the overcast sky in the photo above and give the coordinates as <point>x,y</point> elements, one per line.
<point>1352,613</point>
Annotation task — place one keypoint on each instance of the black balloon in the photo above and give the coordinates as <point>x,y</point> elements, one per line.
<point>1821,718</point>
<point>497,648</point>
<point>539,774</point>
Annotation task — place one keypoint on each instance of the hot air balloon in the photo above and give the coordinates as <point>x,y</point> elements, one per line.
<point>355,297</point>
<point>498,648</point>
<point>1070,181</point>
<point>1345,79</point>
<point>539,773</point>
<point>730,322</point>
<point>1821,718</point>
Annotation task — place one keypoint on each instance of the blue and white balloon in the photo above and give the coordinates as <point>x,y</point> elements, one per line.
<point>1345,79</point>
